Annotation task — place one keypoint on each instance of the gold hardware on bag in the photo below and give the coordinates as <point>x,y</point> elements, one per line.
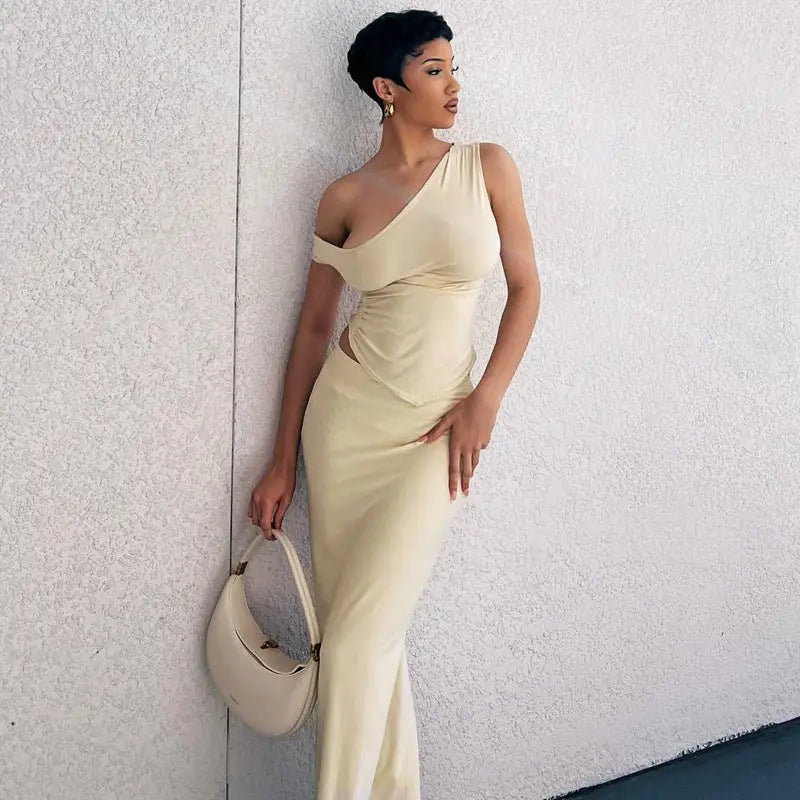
<point>269,643</point>
<point>314,651</point>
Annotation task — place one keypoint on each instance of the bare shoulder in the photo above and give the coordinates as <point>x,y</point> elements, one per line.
<point>334,202</point>
<point>338,193</point>
<point>500,170</point>
<point>494,153</point>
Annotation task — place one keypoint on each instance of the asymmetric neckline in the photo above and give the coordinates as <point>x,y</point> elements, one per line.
<point>400,214</point>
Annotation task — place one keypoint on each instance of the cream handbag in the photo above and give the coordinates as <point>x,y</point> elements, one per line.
<point>266,689</point>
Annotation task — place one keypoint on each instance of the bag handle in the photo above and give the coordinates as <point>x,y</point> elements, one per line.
<point>299,579</point>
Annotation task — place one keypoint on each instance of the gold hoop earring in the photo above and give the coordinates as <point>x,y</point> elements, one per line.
<point>388,110</point>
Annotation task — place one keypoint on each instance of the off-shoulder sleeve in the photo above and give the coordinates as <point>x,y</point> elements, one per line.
<point>325,252</point>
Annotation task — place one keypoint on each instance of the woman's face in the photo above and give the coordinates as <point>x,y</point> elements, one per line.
<point>431,85</point>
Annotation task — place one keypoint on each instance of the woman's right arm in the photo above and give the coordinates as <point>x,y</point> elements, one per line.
<point>273,494</point>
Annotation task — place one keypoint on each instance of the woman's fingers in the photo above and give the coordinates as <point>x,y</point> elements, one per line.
<point>271,498</point>
<point>254,513</point>
<point>283,504</point>
<point>466,471</point>
<point>455,469</point>
<point>463,464</point>
<point>437,431</point>
<point>267,513</point>
<point>261,514</point>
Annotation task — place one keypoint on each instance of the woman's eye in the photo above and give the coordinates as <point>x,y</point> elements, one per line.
<point>437,71</point>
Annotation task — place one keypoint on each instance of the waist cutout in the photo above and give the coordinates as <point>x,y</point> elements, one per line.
<point>416,340</point>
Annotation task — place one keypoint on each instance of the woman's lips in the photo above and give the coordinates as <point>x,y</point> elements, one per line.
<point>452,107</point>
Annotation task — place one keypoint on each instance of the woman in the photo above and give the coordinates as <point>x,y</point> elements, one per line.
<point>390,423</point>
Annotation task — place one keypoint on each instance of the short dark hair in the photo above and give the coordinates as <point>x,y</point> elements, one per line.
<point>380,48</point>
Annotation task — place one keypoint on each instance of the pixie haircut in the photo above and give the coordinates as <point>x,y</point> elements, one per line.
<point>380,48</point>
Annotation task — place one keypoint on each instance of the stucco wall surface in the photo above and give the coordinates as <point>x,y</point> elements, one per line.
<point>621,584</point>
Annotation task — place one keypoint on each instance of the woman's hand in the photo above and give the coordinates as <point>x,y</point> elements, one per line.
<point>470,423</point>
<point>271,497</point>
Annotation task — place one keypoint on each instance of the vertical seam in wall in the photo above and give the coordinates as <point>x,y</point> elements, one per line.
<point>233,377</point>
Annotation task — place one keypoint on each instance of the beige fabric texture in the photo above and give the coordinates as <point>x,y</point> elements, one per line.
<point>420,278</point>
<point>379,501</point>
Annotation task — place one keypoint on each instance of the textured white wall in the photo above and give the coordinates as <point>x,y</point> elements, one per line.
<point>621,585</point>
<point>118,195</point>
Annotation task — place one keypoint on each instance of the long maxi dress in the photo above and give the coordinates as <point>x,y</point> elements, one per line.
<point>379,501</point>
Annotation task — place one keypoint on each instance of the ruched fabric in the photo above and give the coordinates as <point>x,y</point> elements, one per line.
<point>420,278</point>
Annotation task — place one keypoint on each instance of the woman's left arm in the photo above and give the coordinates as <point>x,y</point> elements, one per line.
<point>470,422</point>
<point>519,266</point>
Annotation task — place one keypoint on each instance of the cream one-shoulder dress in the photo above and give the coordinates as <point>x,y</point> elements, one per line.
<point>379,501</point>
